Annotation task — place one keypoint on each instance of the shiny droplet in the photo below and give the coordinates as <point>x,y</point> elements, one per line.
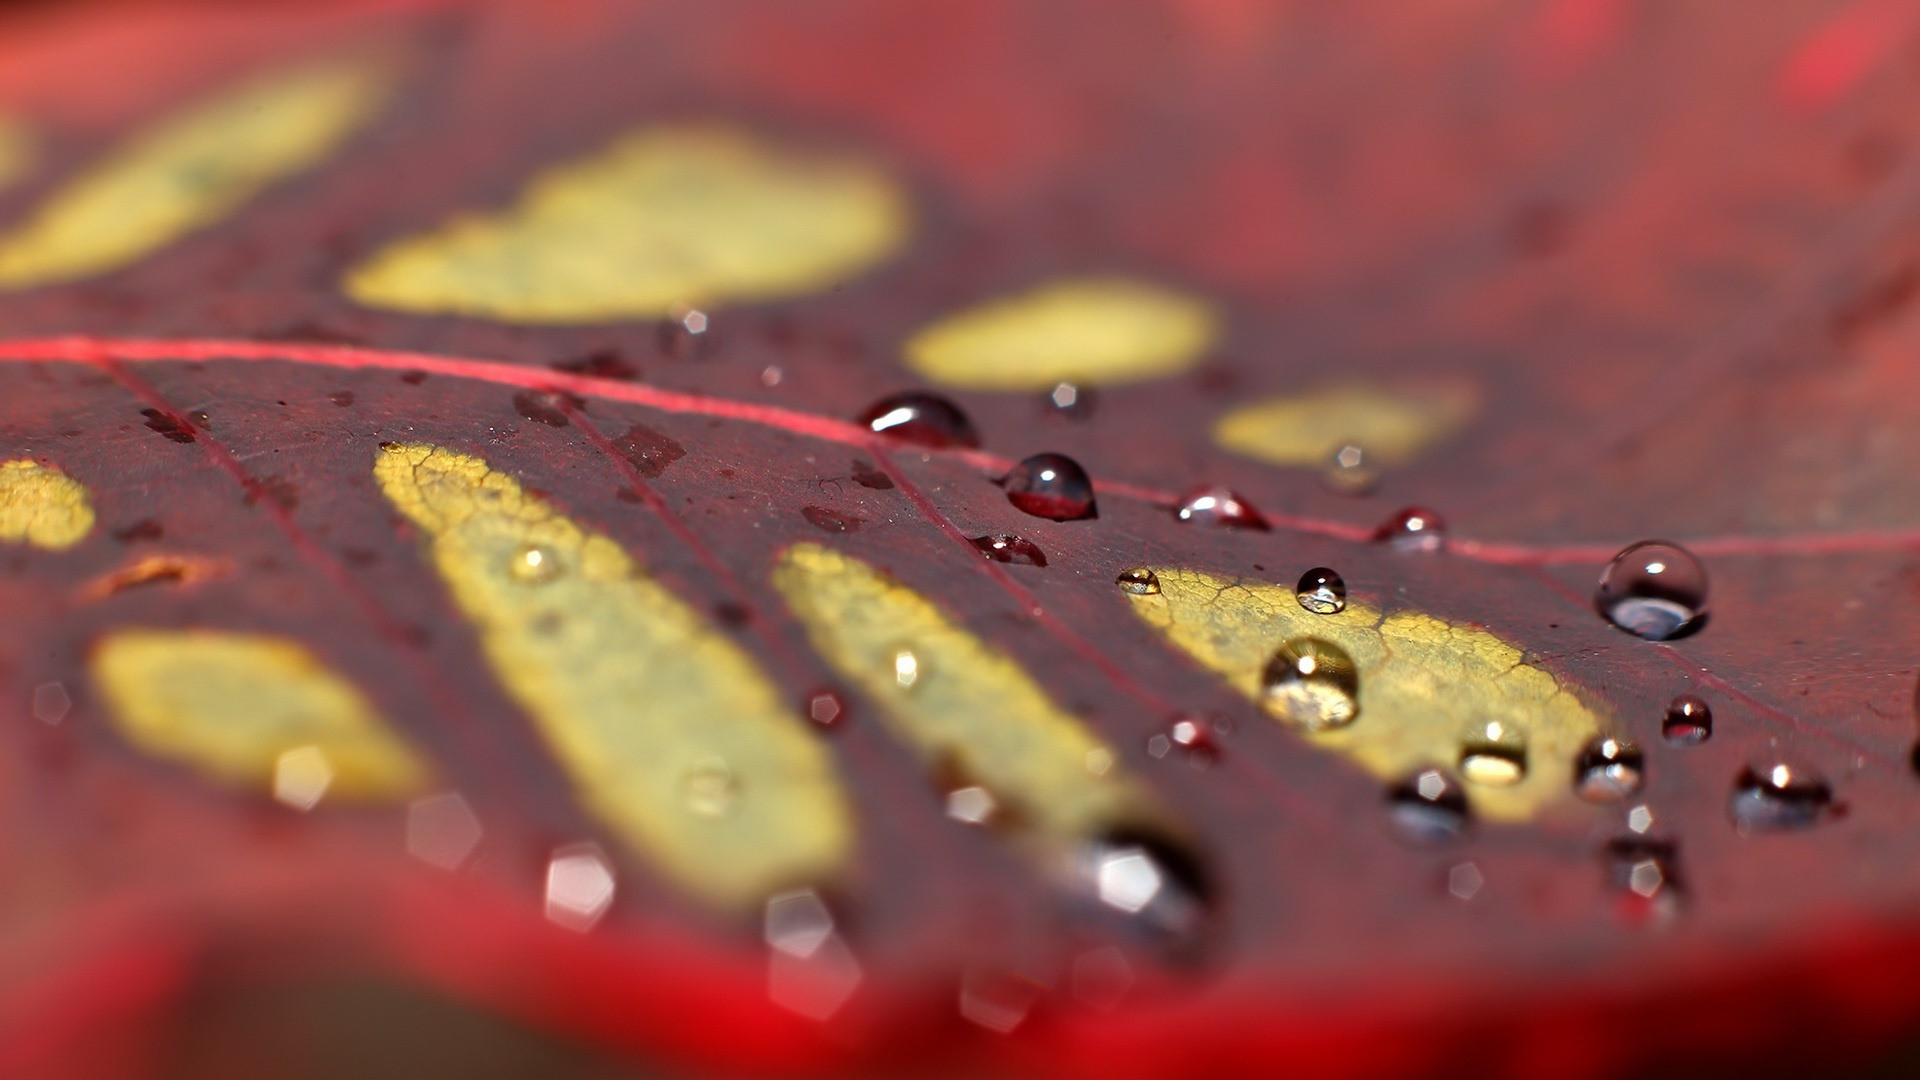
<point>1211,504</point>
<point>1654,590</point>
<point>1191,736</point>
<point>1643,873</point>
<point>1069,401</point>
<point>1051,486</point>
<point>825,708</point>
<point>1008,548</point>
<point>1688,722</point>
<point>1156,884</point>
<point>1312,684</point>
<point>533,565</point>
<point>1322,591</point>
<point>1349,470</point>
<point>972,804</point>
<point>1779,797</point>
<point>1494,756</point>
<point>709,789</point>
<point>1139,581</point>
<point>1608,770</point>
<point>921,418</point>
<point>1429,809</point>
<point>1413,529</point>
<point>906,669</point>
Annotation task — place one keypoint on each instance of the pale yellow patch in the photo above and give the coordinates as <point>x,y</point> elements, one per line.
<point>233,705</point>
<point>672,734</point>
<point>1427,687</point>
<point>1393,425</point>
<point>191,170</point>
<point>42,506</point>
<point>1086,331</point>
<point>968,709</point>
<point>665,217</point>
<point>18,151</point>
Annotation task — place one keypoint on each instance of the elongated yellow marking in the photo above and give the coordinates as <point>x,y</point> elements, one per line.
<point>969,710</point>
<point>17,151</point>
<point>674,737</point>
<point>1393,426</point>
<point>42,506</point>
<point>1086,331</point>
<point>232,705</point>
<point>191,170</point>
<point>1428,688</point>
<point>665,217</point>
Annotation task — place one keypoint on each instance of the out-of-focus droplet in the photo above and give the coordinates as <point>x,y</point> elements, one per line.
<point>532,564</point>
<point>1069,401</point>
<point>1322,591</point>
<point>1051,486</point>
<point>301,776</point>
<point>1192,736</point>
<point>797,923</point>
<point>710,789</point>
<point>997,1000</point>
<point>1654,590</point>
<point>1642,872</point>
<point>1640,819</point>
<point>920,418</point>
<point>1155,884</point>
<point>1689,721</point>
<point>1312,684</point>
<point>810,969</point>
<point>1210,504</point>
<point>1349,470</point>
<point>1608,770</point>
<point>972,804</point>
<point>1139,581</point>
<point>1464,881</point>
<point>1413,529</point>
<point>1494,756</point>
<point>825,708</point>
<point>1102,977</point>
<point>1429,809</point>
<point>442,830</point>
<point>906,669</point>
<point>51,703</point>
<point>1008,548</point>
<point>580,886</point>
<point>1779,797</point>
<point>772,375</point>
<point>683,334</point>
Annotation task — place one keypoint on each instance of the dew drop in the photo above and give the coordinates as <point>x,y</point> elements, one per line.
<point>1608,770</point>
<point>1349,470</point>
<point>1413,529</point>
<point>709,789</point>
<point>1191,736</point>
<point>1494,756</point>
<point>1429,809</point>
<point>1779,797</point>
<point>1051,486</point>
<point>1322,591</point>
<point>1689,722</point>
<point>1069,401</point>
<point>1139,581</point>
<point>1008,548</point>
<point>1210,504</point>
<point>1654,590</point>
<point>1312,684</point>
<point>920,418</point>
<point>532,564</point>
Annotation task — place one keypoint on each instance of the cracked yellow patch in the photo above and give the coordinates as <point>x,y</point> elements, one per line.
<point>1392,425</point>
<point>17,151</point>
<point>1428,688</point>
<point>191,170</point>
<point>42,506</point>
<point>671,733</point>
<point>670,216</point>
<point>1086,331</point>
<point>972,713</point>
<point>233,705</point>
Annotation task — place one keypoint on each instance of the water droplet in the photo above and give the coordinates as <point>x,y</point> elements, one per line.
<point>1643,872</point>
<point>1210,504</point>
<point>1052,486</point>
<point>51,702</point>
<point>442,830</point>
<point>1322,591</point>
<point>772,375</point>
<point>997,1000</point>
<point>301,776</point>
<point>1157,884</point>
<point>1464,881</point>
<point>1608,770</point>
<point>1494,756</point>
<point>906,669</point>
<point>1779,797</point>
<point>1312,684</point>
<point>683,334</point>
<point>1654,590</point>
<point>1413,529</point>
<point>921,418</point>
<point>1070,402</point>
<point>532,564</point>
<point>1429,809</point>
<point>825,708</point>
<point>1640,818</point>
<point>1689,721</point>
<point>580,886</point>
<point>972,804</point>
<point>1349,470</point>
<point>810,970</point>
<point>1189,734</point>
<point>1008,548</point>
<point>1139,581</point>
<point>709,788</point>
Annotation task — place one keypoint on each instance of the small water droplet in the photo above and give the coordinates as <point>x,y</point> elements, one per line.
<point>1643,873</point>
<point>1429,809</point>
<point>1052,486</point>
<point>1464,881</point>
<point>1494,756</point>
<point>532,564</point>
<point>709,789</point>
<point>906,668</point>
<point>1210,504</point>
<point>1608,770</point>
<point>1312,684</point>
<point>1779,797</point>
<point>580,886</point>
<point>920,418</point>
<point>1189,734</point>
<point>1322,591</point>
<point>1413,529</point>
<point>1654,590</point>
<point>1008,548</point>
<point>1069,401</point>
<point>301,776</point>
<point>51,703</point>
<point>772,375</point>
<point>442,830</point>
<point>825,708</point>
<point>1139,581</point>
<point>972,804</point>
<point>683,334</point>
<point>1349,470</point>
<point>1689,721</point>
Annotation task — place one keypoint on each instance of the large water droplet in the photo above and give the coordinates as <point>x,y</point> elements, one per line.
<point>532,564</point>
<point>1312,684</point>
<point>1429,809</point>
<point>1158,885</point>
<point>1139,581</point>
<point>921,418</point>
<point>1654,590</point>
<point>1052,486</point>
<point>1322,591</point>
<point>1210,504</point>
<point>1608,770</point>
<point>1779,797</point>
<point>1494,756</point>
<point>1349,470</point>
<point>1413,529</point>
<point>1007,548</point>
<point>1688,722</point>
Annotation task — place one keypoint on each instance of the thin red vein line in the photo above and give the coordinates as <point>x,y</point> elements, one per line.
<point>89,350</point>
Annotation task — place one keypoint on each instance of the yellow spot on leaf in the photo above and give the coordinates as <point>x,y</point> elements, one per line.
<point>970,711</point>
<point>1430,691</point>
<point>665,217</point>
<point>191,170</point>
<point>674,737</point>
<point>42,506</point>
<point>1392,426</point>
<point>17,151</point>
<point>232,705</point>
<point>1087,331</point>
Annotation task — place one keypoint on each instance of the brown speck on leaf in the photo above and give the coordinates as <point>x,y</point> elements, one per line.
<point>168,425</point>
<point>866,475</point>
<point>650,451</point>
<point>830,521</point>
